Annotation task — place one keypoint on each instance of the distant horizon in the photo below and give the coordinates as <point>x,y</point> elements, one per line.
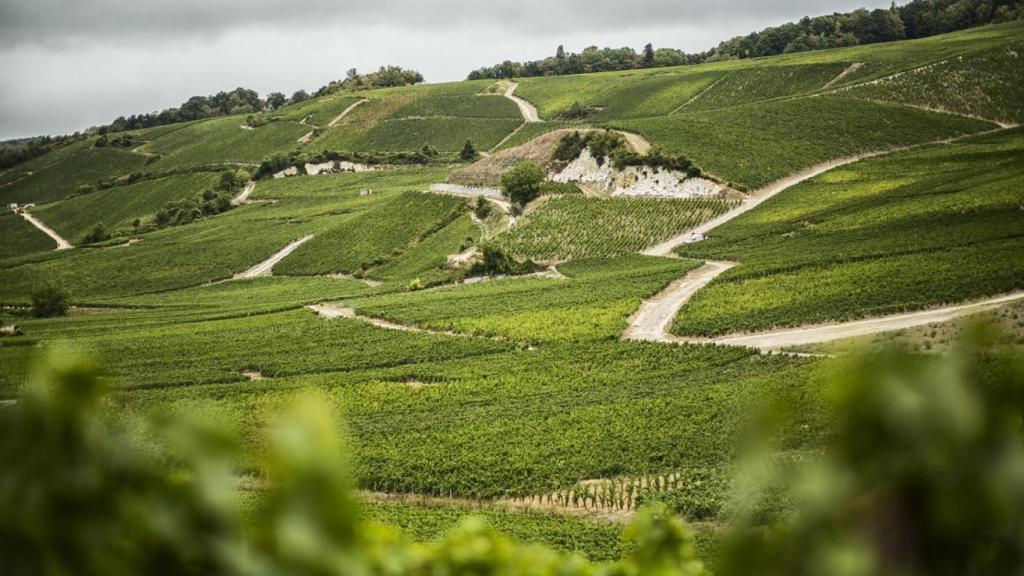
<point>70,66</point>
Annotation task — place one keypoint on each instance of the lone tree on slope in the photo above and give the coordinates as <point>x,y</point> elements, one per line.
<point>522,183</point>
<point>468,152</point>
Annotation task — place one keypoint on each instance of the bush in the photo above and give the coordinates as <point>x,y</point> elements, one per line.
<point>522,183</point>
<point>50,299</point>
<point>493,261</point>
<point>97,234</point>
<point>482,208</point>
<point>576,112</point>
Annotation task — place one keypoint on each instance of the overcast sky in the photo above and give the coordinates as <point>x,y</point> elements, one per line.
<point>70,64</point>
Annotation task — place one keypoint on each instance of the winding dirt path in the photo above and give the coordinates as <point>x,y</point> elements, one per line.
<point>492,195</point>
<point>846,72</point>
<point>529,111</point>
<point>266,267</point>
<point>782,338</point>
<point>653,320</point>
<point>345,112</point>
<point>755,198</point>
<point>62,243</point>
<point>243,196</point>
<point>333,311</point>
<point>638,142</point>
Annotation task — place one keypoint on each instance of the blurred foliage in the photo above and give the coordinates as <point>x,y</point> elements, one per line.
<point>78,495</point>
<point>924,476</point>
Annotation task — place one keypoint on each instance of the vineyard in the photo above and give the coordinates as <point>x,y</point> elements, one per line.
<point>841,247</point>
<point>753,144</point>
<point>446,135</point>
<point>462,100</point>
<point>76,165</point>
<point>487,385</point>
<point>574,227</point>
<point>222,141</point>
<point>19,237</point>
<point>765,83</point>
<point>371,238</point>
<point>318,111</point>
<point>115,208</point>
<point>592,303</point>
<point>981,84</point>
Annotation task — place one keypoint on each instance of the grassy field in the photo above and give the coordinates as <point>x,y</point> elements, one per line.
<point>902,232</point>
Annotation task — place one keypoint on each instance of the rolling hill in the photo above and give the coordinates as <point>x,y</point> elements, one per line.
<point>846,185</point>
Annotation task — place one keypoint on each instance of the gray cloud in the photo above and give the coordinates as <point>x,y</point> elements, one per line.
<point>68,64</point>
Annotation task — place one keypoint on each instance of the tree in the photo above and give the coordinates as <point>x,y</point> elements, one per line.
<point>522,183</point>
<point>49,299</point>
<point>275,100</point>
<point>300,96</point>
<point>648,60</point>
<point>468,152</point>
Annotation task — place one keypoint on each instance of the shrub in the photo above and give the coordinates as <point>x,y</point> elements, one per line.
<point>49,299</point>
<point>576,112</point>
<point>482,208</point>
<point>493,260</point>
<point>97,234</point>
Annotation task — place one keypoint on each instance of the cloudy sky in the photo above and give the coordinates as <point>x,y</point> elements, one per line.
<point>69,64</point>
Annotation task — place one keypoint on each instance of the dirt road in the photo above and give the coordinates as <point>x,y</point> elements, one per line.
<point>345,112</point>
<point>529,111</point>
<point>638,142</point>
<point>62,244</point>
<point>778,339</point>
<point>653,320</point>
<point>755,198</point>
<point>266,267</point>
<point>243,196</point>
<point>332,311</point>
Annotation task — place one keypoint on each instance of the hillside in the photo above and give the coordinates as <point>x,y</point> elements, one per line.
<point>820,189</point>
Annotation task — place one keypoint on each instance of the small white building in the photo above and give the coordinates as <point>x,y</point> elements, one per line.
<point>13,205</point>
<point>365,192</point>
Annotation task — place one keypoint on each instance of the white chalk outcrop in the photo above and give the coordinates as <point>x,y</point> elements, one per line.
<point>635,180</point>
<point>328,167</point>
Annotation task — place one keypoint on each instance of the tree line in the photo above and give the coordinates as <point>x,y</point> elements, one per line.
<point>917,19</point>
<point>246,101</point>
